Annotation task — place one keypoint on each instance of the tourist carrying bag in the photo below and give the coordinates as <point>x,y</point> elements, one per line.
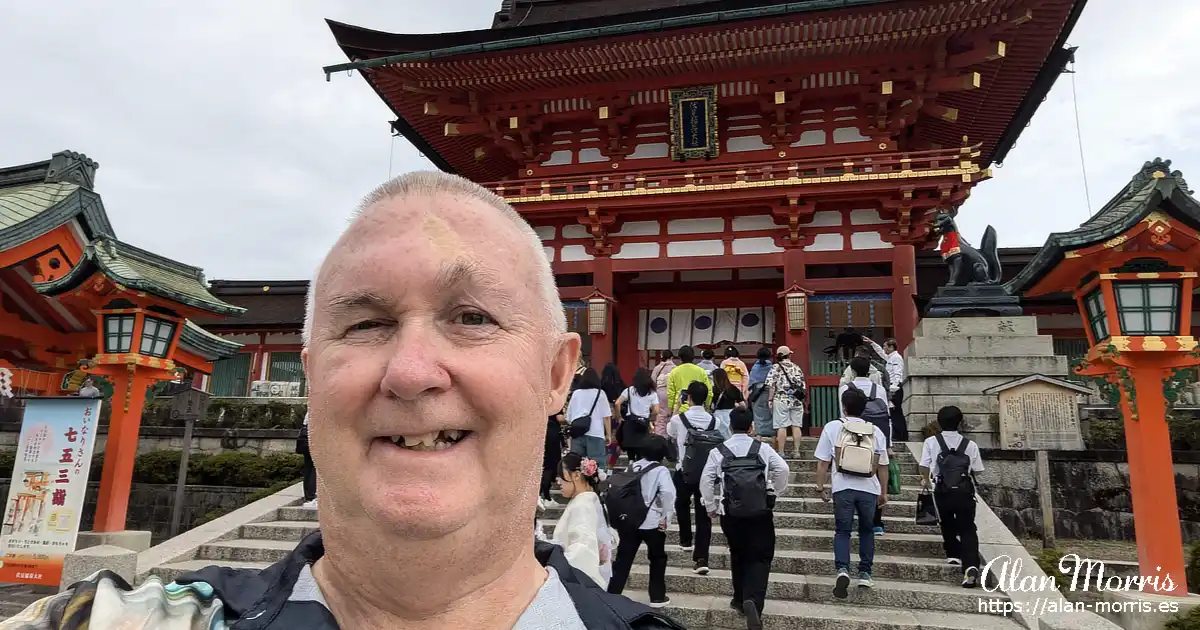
<point>876,412</point>
<point>581,425</point>
<point>696,447</point>
<point>855,449</point>
<point>627,508</point>
<point>744,483</point>
<point>927,513</point>
<point>798,393</point>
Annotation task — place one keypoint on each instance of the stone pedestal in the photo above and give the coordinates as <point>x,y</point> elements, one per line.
<point>952,360</point>
<point>129,539</point>
<point>81,565</point>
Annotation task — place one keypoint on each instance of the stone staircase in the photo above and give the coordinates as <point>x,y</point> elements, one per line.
<point>915,588</point>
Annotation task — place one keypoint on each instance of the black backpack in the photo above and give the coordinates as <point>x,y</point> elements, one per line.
<point>876,411</point>
<point>696,447</point>
<point>744,483</point>
<point>954,469</point>
<point>627,508</point>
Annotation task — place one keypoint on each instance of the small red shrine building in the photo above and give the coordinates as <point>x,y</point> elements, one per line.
<point>692,163</point>
<point>75,301</point>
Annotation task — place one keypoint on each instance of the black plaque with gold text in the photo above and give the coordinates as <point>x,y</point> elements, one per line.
<point>694,123</point>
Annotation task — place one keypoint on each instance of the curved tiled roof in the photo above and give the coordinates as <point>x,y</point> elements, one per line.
<point>196,340</point>
<point>139,269</point>
<point>1154,186</point>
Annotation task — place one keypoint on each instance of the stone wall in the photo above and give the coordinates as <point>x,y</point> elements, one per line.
<point>1090,491</point>
<point>150,505</point>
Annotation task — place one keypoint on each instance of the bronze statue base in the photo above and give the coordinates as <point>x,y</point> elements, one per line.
<point>973,300</point>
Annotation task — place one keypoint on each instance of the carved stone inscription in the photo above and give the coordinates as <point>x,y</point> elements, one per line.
<point>1036,418</point>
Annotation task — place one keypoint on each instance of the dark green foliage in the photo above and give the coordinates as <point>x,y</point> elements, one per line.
<point>1190,621</point>
<point>8,459</point>
<point>229,413</point>
<point>1106,433</point>
<point>1047,560</point>
<point>1192,568</point>
<point>242,470</point>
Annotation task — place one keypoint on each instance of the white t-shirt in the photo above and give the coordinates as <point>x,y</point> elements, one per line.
<point>931,449</point>
<point>825,447</point>
<point>864,385</point>
<point>658,491</point>
<point>698,418</point>
<point>581,401</point>
<point>640,405</point>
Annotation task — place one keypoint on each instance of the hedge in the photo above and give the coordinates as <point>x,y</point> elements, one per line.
<point>227,413</point>
<point>242,470</point>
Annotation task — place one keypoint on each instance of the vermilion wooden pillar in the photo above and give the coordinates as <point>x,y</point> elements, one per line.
<point>797,340</point>
<point>602,280</point>
<point>129,396</point>
<point>904,311</point>
<point>627,340</point>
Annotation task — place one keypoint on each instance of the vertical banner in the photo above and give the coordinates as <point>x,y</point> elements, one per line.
<point>49,480</point>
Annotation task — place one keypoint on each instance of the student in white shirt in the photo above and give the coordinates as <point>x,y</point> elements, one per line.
<point>643,407</point>
<point>658,491</point>
<point>582,530</point>
<point>895,369</point>
<point>852,495</point>
<point>751,539</point>
<point>590,396</point>
<point>956,507</point>
<point>860,366</point>
<point>687,496</point>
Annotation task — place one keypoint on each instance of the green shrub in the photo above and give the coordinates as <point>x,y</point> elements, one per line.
<point>1047,561</point>
<point>1192,569</point>
<point>1190,621</point>
<point>255,496</point>
<point>1106,433</point>
<point>247,470</point>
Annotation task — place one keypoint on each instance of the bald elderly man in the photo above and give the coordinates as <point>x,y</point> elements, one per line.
<point>435,348</point>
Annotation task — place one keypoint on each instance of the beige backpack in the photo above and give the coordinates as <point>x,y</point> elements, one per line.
<point>854,450</point>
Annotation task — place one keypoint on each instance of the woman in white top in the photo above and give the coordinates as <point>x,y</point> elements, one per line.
<point>589,399</point>
<point>582,530</point>
<point>643,408</point>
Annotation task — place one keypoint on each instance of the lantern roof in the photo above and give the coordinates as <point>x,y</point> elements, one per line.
<point>198,341</point>
<point>1155,187</point>
<point>141,270</point>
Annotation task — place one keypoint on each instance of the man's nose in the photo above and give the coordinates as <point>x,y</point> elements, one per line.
<point>415,366</point>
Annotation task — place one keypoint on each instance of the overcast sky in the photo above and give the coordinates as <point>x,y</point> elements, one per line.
<point>221,145</point>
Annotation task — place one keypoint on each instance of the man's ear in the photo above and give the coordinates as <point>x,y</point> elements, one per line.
<point>562,371</point>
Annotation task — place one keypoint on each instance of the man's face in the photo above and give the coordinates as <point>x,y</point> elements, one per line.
<point>429,331</point>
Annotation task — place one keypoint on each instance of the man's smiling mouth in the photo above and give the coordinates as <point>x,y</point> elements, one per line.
<point>433,441</point>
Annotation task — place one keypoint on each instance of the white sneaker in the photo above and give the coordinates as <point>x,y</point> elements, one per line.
<point>311,504</point>
<point>687,548</point>
<point>954,562</point>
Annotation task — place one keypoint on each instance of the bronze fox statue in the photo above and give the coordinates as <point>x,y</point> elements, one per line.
<point>967,264</point>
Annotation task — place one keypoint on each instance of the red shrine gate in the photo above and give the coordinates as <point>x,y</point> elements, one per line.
<point>693,164</point>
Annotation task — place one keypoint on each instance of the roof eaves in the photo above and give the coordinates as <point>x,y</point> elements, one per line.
<point>32,173</point>
<point>80,203</point>
<point>212,347</point>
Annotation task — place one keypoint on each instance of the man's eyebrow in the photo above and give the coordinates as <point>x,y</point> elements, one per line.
<point>358,300</point>
<point>466,275</point>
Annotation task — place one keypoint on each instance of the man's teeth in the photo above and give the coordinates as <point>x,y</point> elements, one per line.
<point>433,441</point>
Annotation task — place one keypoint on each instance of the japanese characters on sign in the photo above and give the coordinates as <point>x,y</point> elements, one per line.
<point>49,481</point>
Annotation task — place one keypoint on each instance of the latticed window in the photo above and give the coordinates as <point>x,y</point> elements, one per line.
<point>156,337</point>
<point>1148,308</point>
<point>118,333</point>
<point>287,367</point>
<point>1096,315</point>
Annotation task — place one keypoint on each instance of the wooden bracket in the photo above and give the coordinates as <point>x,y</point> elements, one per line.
<point>598,224</point>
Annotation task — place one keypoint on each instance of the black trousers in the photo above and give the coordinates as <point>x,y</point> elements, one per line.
<point>959,537</point>
<point>656,552</point>
<point>879,514</point>
<point>310,477</point>
<point>686,493</point>
<point>751,549</point>
<point>899,423</point>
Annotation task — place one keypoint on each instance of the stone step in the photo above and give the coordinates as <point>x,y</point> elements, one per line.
<point>813,588</point>
<point>810,476</point>
<point>919,545</point>
<point>810,465</point>
<point>297,513</point>
<point>824,522</point>
<point>786,504</point>
<point>246,550</point>
<point>709,612</point>
<point>279,530</point>
<point>169,572</point>
<point>806,491</point>
<point>796,562</point>
<point>809,455</point>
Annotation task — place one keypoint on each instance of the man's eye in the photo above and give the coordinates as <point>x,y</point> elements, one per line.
<point>471,318</point>
<point>367,325</point>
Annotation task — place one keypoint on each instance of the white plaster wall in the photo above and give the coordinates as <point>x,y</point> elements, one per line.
<point>637,250</point>
<point>826,243</point>
<point>546,232</point>
<point>559,158</point>
<point>574,252</point>
<point>868,240</point>
<point>695,248</point>
<point>638,228</point>
<point>242,339</point>
<point>847,134</point>
<point>760,273</point>
<point>650,150</point>
<point>280,339</point>
<point>549,252</point>
<point>811,138</point>
<point>867,216</point>
<point>745,143</point>
<point>589,155</point>
<point>695,226</point>
<point>757,222</point>
<point>575,231</point>
<point>709,275</point>
<point>760,245</point>
<point>825,218</point>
